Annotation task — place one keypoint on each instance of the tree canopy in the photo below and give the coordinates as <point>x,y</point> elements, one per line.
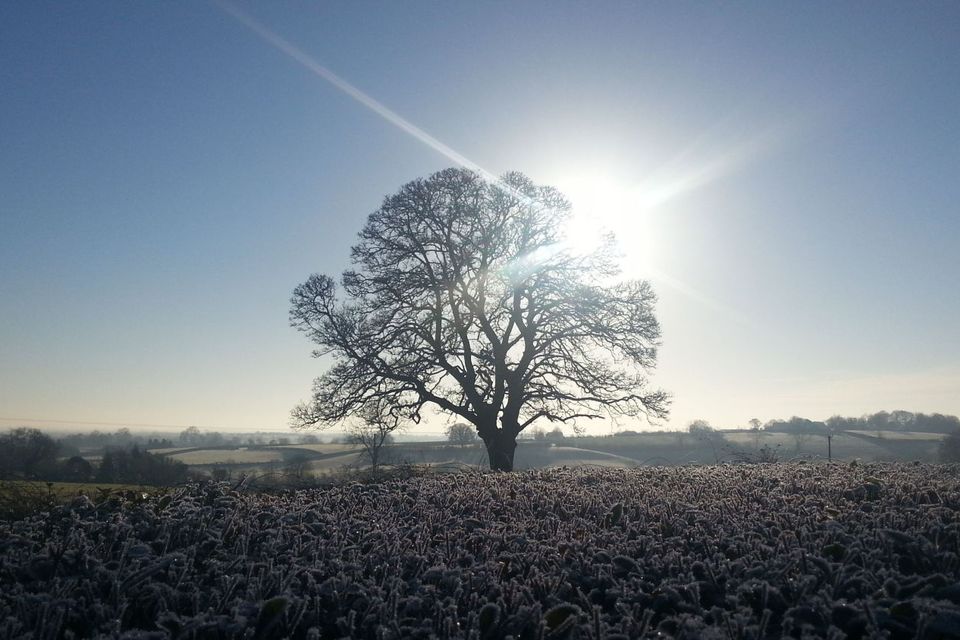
<point>27,453</point>
<point>466,295</point>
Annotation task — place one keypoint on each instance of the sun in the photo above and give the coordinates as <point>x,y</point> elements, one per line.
<point>602,205</point>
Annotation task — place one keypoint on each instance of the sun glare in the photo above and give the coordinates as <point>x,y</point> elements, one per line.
<point>602,206</point>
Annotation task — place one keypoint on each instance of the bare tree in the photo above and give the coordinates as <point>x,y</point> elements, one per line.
<point>461,433</point>
<point>706,434</point>
<point>372,436</point>
<point>464,295</point>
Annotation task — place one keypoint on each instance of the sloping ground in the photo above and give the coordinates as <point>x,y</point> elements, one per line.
<point>901,435</point>
<point>323,448</point>
<point>227,456</point>
<point>170,450</point>
<point>336,461</point>
<point>708,552</point>
<point>575,455</point>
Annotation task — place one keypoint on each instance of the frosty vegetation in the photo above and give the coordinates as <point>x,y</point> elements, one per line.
<point>716,552</point>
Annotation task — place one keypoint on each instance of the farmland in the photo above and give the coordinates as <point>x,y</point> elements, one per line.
<point>620,451</point>
<point>751,551</point>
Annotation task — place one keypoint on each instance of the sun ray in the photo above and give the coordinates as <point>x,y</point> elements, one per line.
<point>297,54</point>
<point>586,232</point>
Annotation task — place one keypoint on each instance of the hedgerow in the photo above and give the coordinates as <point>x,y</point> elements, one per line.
<point>752,551</point>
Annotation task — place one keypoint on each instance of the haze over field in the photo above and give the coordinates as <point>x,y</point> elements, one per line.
<point>786,176</point>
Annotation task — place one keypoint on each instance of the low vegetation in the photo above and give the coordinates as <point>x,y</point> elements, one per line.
<point>748,551</point>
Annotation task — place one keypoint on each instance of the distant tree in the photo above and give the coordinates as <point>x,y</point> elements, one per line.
<point>461,433</point>
<point>700,428</point>
<point>797,425</point>
<point>937,423</point>
<point>373,433</point>
<point>190,437</point>
<point>135,466</point>
<point>879,421</point>
<point>755,426</point>
<point>309,439</point>
<point>555,435</point>
<point>466,296</point>
<point>800,429</point>
<point>702,432</point>
<point>76,469</point>
<point>27,453</point>
<point>950,447</point>
<point>902,420</point>
<point>159,443</point>
<point>836,424</point>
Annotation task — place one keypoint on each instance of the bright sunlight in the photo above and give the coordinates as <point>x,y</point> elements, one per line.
<point>602,205</point>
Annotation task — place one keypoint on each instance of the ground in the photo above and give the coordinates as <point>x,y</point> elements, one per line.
<point>628,451</point>
<point>725,551</point>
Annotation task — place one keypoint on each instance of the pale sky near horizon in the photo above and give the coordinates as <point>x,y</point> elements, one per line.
<point>786,174</point>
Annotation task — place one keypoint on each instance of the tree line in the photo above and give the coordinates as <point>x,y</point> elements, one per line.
<point>30,454</point>
<point>880,421</point>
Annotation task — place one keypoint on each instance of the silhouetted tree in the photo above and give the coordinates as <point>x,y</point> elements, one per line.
<point>76,469</point>
<point>464,295</point>
<point>27,453</point>
<point>139,467</point>
<point>372,434</point>
<point>190,436</point>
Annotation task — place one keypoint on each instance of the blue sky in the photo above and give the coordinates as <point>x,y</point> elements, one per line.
<point>167,177</point>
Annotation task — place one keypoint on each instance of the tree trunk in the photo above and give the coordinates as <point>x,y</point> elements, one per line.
<point>500,448</point>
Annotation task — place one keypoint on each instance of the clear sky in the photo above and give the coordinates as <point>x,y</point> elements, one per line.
<point>787,174</point>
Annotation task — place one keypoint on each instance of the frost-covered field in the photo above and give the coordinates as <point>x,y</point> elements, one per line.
<point>726,552</point>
